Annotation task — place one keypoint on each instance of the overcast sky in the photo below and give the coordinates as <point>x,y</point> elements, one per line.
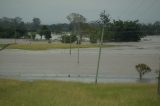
<point>55,11</point>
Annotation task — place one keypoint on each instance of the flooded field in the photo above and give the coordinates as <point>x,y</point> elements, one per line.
<point>117,63</point>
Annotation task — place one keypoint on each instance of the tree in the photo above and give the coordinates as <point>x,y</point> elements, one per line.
<point>91,30</point>
<point>46,32</point>
<point>21,30</point>
<point>158,88</point>
<point>158,73</point>
<point>60,28</point>
<point>69,38</point>
<point>93,38</point>
<point>35,24</point>
<point>76,20</point>
<point>8,27</point>
<point>16,21</point>
<point>125,31</point>
<point>104,21</point>
<point>31,36</point>
<point>41,32</point>
<point>142,69</point>
<point>156,28</point>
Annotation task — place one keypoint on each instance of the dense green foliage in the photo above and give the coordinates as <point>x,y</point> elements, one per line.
<point>124,31</point>
<point>45,31</point>
<point>116,30</point>
<point>151,29</point>
<point>93,38</point>
<point>69,39</point>
<point>12,27</point>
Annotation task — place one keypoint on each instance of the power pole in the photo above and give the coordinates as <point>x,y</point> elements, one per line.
<point>99,56</point>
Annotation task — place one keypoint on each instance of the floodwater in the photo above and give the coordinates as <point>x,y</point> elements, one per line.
<point>117,64</point>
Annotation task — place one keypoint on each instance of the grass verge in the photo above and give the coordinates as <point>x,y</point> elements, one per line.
<point>59,93</point>
<point>46,46</point>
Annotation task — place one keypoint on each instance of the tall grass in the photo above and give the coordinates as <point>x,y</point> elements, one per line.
<point>46,46</point>
<point>59,93</point>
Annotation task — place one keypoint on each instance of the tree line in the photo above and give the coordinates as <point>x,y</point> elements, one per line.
<point>114,30</point>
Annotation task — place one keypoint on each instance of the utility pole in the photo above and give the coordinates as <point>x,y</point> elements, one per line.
<point>100,49</point>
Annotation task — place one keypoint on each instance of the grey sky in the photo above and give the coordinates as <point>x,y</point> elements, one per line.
<point>55,11</point>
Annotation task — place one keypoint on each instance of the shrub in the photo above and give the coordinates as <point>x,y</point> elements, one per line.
<point>68,39</point>
<point>93,38</point>
<point>142,69</point>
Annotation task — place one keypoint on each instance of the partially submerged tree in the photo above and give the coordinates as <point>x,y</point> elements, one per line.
<point>31,36</point>
<point>158,73</point>
<point>76,20</point>
<point>142,69</point>
<point>35,24</point>
<point>126,31</point>
<point>158,87</point>
<point>68,38</point>
<point>104,21</point>
<point>46,32</point>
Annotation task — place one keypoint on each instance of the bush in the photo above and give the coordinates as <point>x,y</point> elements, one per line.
<point>93,38</point>
<point>68,39</point>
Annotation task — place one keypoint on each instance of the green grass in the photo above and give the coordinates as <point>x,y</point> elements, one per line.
<point>59,93</point>
<point>46,46</point>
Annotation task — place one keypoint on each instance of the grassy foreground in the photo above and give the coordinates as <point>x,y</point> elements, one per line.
<point>46,46</point>
<point>58,93</point>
